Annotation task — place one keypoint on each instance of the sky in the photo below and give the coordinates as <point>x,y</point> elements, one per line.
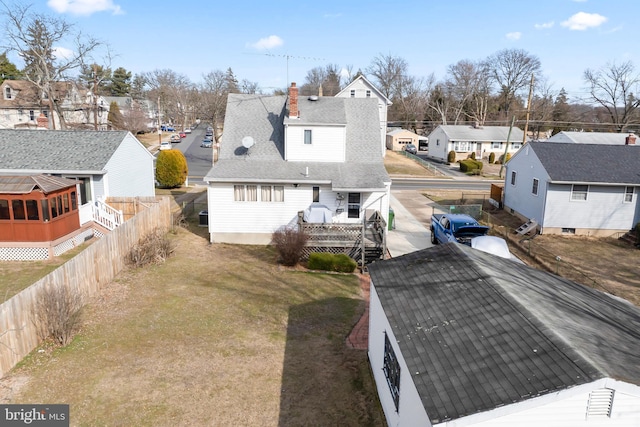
<point>277,42</point>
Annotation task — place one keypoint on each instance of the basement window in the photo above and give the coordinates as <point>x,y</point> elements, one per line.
<point>391,370</point>
<point>566,230</point>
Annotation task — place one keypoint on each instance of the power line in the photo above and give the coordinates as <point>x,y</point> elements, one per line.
<point>287,56</point>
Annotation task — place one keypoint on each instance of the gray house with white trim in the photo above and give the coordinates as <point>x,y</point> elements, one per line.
<point>105,163</point>
<point>586,189</point>
<point>460,337</point>
<point>280,155</point>
<point>600,138</point>
<point>481,140</point>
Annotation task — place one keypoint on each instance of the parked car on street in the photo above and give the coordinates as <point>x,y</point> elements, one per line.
<point>410,148</point>
<point>207,143</point>
<point>167,128</point>
<point>165,145</point>
<point>175,138</point>
<point>187,129</point>
<point>183,134</point>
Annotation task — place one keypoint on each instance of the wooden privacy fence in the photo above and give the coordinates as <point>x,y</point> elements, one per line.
<point>83,275</point>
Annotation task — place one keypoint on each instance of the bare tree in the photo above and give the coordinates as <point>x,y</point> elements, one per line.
<point>34,37</point>
<point>388,71</point>
<point>615,87</point>
<point>413,98</point>
<point>172,92</point>
<point>512,69</point>
<point>214,99</point>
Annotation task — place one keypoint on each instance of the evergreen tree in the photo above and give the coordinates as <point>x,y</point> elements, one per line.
<point>120,82</point>
<point>137,88</point>
<point>231,82</point>
<point>560,113</point>
<point>116,120</point>
<point>93,73</point>
<point>8,70</point>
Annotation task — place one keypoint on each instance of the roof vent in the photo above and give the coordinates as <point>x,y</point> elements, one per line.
<point>600,402</point>
<point>313,98</point>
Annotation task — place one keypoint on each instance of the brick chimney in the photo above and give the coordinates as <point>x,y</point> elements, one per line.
<point>630,139</point>
<point>293,102</point>
<point>42,121</point>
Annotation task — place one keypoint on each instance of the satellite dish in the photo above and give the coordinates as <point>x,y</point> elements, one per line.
<point>247,142</point>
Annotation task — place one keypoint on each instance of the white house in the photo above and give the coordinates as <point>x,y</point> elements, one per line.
<point>459,337</point>
<point>574,188</point>
<point>482,140</point>
<point>105,163</point>
<point>601,138</point>
<point>280,155</point>
<point>360,87</point>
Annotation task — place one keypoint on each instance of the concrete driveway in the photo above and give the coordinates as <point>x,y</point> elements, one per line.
<point>412,218</point>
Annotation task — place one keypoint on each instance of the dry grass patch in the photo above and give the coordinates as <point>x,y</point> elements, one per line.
<point>217,335</point>
<point>398,164</point>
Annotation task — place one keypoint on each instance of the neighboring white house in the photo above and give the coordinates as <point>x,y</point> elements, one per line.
<point>360,87</point>
<point>280,155</point>
<point>602,138</point>
<point>585,189</point>
<point>459,337</point>
<point>106,163</point>
<point>482,140</point>
<point>21,103</point>
<point>398,139</point>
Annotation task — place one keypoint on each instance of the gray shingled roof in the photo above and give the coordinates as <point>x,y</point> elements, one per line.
<point>602,138</point>
<point>263,118</point>
<point>569,162</point>
<point>56,151</point>
<point>479,332</point>
<point>483,133</point>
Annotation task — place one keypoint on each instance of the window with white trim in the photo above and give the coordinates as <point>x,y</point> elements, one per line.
<point>461,146</point>
<point>353,205</point>
<point>516,146</point>
<point>513,177</point>
<point>496,145</point>
<point>316,194</point>
<point>307,136</point>
<point>353,93</point>
<point>265,193</point>
<point>252,193</point>
<point>32,115</point>
<point>368,94</point>
<point>278,193</point>
<point>271,193</point>
<point>238,193</point>
<point>628,194</point>
<point>391,369</point>
<point>579,192</point>
<point>534,187</point>
<point>7,93</point>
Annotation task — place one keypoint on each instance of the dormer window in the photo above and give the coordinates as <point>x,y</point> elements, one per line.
<point>7,93</point>
<point>368,94</point>
<point>307,136</point>
<point>353,93</point>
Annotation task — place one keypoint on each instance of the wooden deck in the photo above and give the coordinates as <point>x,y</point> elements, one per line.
<point>347,238</point>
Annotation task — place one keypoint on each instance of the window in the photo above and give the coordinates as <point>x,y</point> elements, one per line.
<point>513,177</point>
<point>579,192</point>
<point>628,194</point>
<point>238,193</point>
<point>65,202</point>
<point>18,209</point>
<point>316,194</point>
<point>278,193</point>
<point>353,93</point>
<point>516,145</point>
<point>496,145</point>
<point>32,210</point>
<point>534,188</point>
<point>307,136</point>
<point>368,94</point>
<point>353,205</point>
<point>85,189</point>
<point>54,207</point>
<point>45,210</point>
<point>252,193</point>
<point>45,113</point>
<point>566,230</point>
<point>7,93</point>
<point>32,115</point>
<point>74,201</point>
<point>391,368</point>
<point>265,193</point>
<point>4,209</point>
<point>461,146</point>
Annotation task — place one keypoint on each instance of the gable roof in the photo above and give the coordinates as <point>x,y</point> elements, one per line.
<point>27,95</point>
<point>602,138</point>
<point>26,184</point>
<point>367,83</point>
<point>57,151</point>
<point>263,118</point>
<point>478,331</point>
<point>483,133</point>
<point>589,163</point>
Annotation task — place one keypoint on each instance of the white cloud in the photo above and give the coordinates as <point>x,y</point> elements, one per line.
<point>84,7</point>
<point>514,36</point>
<point>582,21</point>
<point>62,53</point>
<point>267,43</point>
<point>544,25</point>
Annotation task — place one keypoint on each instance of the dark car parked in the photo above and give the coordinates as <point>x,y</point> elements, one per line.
<point>410,148</point>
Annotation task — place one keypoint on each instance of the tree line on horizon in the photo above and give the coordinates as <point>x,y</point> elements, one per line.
<point>507,85</point>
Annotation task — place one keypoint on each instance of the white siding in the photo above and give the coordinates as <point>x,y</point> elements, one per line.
<point>519,197</point>
<point>604,208</point>
<point>130,170</point>
<point>438,143</point>
<point>411,411</point>
<point>328,144</point>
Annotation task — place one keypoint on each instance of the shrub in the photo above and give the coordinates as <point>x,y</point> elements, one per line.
<point>504,159</point>
<point>57,314</point>
<point>492,157</point>
<point>325,261</point>
<point>470,165</point>
<point>473,155</point>
<point>154,248</point>
<point>171,168</point>
<point>451,157</point>
<point>289,242</point>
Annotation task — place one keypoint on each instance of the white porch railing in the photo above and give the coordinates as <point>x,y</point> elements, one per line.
<point>105,215</point>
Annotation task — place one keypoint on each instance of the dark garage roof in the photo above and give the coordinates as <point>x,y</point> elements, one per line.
<point>479,332</point>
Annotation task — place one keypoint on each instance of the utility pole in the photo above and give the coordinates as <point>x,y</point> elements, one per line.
<point>526,122</point>
<point>95,97</point>
<point>159,125</point>
<point>506,147</point>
